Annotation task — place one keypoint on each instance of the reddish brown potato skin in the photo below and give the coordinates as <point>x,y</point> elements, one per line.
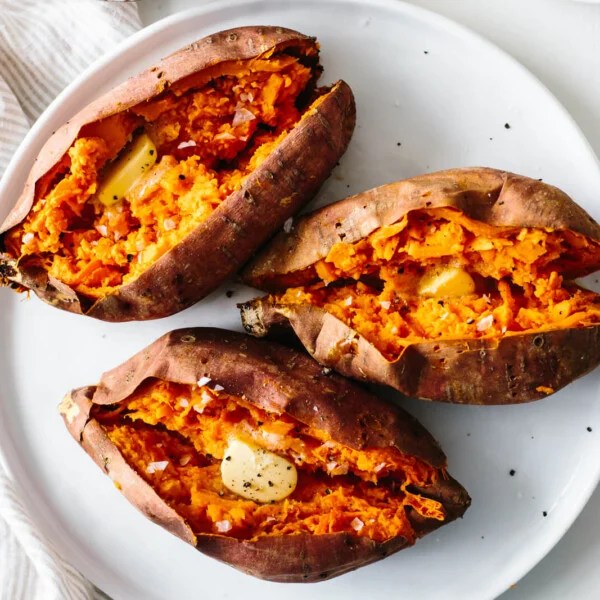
<point>505,371</point>
<point>216,249</point>
<point>278,379</point>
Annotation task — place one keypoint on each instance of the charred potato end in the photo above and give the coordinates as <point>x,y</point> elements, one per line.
<point>456,286</point>
<point>253,454</point>
<point>157,192</point>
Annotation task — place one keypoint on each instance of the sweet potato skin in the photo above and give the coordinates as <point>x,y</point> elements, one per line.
<point>278,379</point>
<point>286,180</point>
<point>512,370</point>
<point>515,369</point>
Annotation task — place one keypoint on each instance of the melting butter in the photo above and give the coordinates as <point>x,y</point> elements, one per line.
<point>257,474</point>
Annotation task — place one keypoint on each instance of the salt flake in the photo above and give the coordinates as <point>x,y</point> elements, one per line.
<point>157,466</point>
<point>356,524</point>
<point>242,115</point>
<point>223,526</point>
<point>485,323</point>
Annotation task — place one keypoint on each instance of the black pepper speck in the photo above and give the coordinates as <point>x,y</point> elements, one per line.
<point>512,472</point>
<point>506,125</point>
<point>589,429</point>
<point>545,514</point>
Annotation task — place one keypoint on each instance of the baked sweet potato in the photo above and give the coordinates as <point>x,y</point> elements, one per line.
<point>370,479</point>
<point>158,191</point>
<point>455,286</point>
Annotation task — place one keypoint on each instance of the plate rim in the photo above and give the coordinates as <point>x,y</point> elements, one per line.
<point>41,130</point>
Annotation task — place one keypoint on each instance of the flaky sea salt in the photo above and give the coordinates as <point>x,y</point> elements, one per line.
<point>223,526</point>
<point>242,115</point>
<point>485,323</point>
<point>356,524</point>
<point>157,466</point>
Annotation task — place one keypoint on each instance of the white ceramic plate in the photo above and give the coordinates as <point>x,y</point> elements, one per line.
<point>445,95</point>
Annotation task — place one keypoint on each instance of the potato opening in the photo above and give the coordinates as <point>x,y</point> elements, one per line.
<point>438,275</point>
<point>133,185</point>
<point>175,437</point>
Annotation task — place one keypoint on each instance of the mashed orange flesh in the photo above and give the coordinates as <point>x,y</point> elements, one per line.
<point>363,492</point>
<point>208,141</point>
<point>372,285</point>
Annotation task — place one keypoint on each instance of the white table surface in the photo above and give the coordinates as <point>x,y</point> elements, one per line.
<point>559,42</point>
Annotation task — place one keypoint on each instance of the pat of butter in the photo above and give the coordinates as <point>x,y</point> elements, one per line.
<point>122,174</point>
<point>257,474</point>
<point>446,282</point>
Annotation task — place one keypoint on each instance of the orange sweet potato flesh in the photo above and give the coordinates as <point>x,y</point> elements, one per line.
<point>371,480</point>
<point>347,280</point>
<point>231,117</point>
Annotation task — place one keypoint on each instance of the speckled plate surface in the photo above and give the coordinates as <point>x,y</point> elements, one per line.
<point>430,95</point>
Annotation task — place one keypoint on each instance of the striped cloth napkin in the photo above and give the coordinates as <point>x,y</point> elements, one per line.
<point>44,44</point>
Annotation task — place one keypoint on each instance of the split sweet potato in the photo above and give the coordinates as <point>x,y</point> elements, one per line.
<point>456,286</point>
<point>370,479</point>
<point>158,191</point>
